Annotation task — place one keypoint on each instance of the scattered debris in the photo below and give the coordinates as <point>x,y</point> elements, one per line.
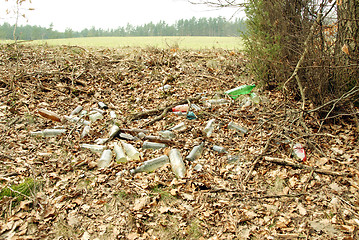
<point>228,171</point>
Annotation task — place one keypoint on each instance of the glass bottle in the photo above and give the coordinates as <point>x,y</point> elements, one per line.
<point>177,163</point>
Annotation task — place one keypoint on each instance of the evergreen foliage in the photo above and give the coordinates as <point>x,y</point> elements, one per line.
<point>184,27</point>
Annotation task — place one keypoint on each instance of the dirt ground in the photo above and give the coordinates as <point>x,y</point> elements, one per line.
<point>53,189</point>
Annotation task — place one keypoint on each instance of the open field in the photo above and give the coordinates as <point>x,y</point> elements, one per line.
<point>159,42</point>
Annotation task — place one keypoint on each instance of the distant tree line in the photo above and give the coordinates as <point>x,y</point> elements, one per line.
<point>185,27</point>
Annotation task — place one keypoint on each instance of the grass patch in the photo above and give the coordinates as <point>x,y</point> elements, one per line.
<point>164,194</point>
<point>21,191</point>
<point>194,230</point>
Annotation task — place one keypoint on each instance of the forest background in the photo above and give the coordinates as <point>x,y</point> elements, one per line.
<point>184,27</point>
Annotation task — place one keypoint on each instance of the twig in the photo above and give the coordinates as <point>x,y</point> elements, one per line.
<point>302,166</point>
<point>163,114</point>
<point>257,160</point>
<point>309,37</point>
<point>5,156</point>
<point>155,111</point>
<point>15,191</point>
<point>345,95</point>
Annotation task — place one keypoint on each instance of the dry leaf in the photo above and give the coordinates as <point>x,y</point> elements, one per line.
<point>141,203</point>
<point>345,49</point>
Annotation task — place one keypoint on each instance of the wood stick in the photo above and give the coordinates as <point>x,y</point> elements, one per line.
<point>157,110</point>
<point>302,166</point>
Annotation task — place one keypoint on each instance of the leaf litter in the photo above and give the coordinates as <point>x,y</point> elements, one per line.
<point>255,189</point>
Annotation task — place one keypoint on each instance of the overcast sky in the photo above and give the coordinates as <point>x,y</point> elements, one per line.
<point>107,14</point>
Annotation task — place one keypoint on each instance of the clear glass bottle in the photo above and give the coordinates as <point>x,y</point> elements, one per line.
<point>76,111</point>
<point>212,102</point>
<point>120,153</point>
<point>219,149</point>
<point>94,115</point>
<point>48,132</point>
<point>236,127</point>
<point>75,119</point>
<point>153,145</point>
<point>93,147</point>
<point>177,163</point>
<point>85,131</point>
<point>179,127</point>
<point>105,159</point>
<point>195,153</point>
<point>113,131</point>
<point>131,151</point>
<point>151,165</point>
<point>209,127</point>
<point>167,134</point>
<point>113,115</point>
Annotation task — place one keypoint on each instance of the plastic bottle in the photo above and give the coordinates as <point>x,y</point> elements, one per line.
<point>85,131</point>
<point>244,89</point>
<point>48,132</point>
<point>49,115</point>
<point>209,127</point>
<point>151,165</point>
<point>131,151</point>
<point>180,108</point>
<point>166,134</point>
<point>219,149</point>
<point>153,145</point>
<point>195,152</point>
<point>93,147</point>
<point>77,110</point>
<point>177,163</point>
<point>120,153</point>
<point>234,126</point>
<point>179,127</point>
<point>105,159</point>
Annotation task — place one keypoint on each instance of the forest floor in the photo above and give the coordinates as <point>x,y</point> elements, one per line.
<point>51,188</point>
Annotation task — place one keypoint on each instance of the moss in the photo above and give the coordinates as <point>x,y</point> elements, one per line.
<point>19,191</point>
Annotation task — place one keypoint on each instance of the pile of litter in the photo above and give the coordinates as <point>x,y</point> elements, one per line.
<point>159,144</point>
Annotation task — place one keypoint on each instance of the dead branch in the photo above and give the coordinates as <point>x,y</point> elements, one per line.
<point>157,110</point>
<point>257,159</point>
<point>295,72</point>
<point>302,166</point>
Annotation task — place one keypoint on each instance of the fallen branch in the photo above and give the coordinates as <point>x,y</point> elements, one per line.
<point>302,166</point>
<point>257,159</point>
<point>163,109</point>
<point>163,114</point>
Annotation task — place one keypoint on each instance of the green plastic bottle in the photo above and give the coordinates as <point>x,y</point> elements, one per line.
<point>244,89</point>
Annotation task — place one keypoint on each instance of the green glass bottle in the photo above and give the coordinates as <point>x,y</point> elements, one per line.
<point>244,89</point>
